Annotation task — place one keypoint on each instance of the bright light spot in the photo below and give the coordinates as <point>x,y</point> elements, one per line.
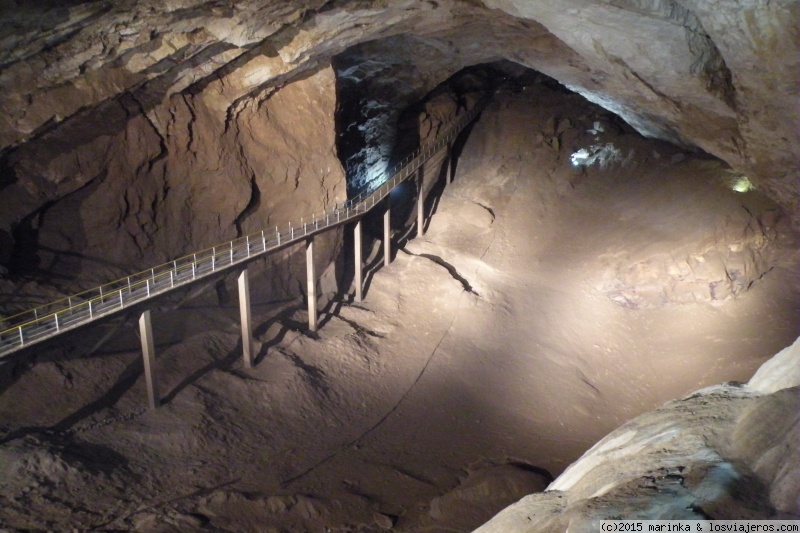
<point>741,184</point>
<point>602,154</point>
<point>376,175</point>
<point>597,128</point>
<point>579,157</point>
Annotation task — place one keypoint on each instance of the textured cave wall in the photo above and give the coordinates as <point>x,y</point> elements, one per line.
<point>722,76</point>
<point>383,91</point>
<point>103,95</point>
<point>177,178</point>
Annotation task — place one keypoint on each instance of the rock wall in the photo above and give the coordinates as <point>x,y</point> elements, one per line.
<point>173,179</point>
<point>106,96</point>
<point>726,452</point>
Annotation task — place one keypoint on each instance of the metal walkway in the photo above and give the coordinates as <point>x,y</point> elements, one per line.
<point>22,330</point>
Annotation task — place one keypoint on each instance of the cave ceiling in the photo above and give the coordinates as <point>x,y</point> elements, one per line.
<point>718,76</point>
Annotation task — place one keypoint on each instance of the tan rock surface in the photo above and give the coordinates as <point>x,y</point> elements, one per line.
<point>726,453</point>
<point>485,348</point>
<point>104,91</point>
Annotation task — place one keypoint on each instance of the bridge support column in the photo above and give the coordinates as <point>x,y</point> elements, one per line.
<point>311,276</point>
<point>359,277</point>
<point>420,201</point>
<point>247,323</point>
<point>387,233</point>
<point>149,356</point>
<point>449,163</point>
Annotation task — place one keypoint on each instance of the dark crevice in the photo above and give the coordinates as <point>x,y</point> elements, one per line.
<point>162,143</point>
<point>487,208</point>
<point>533,469</point>
<point>252,206</point>
<point>447,266</point>
<point>22,21</point>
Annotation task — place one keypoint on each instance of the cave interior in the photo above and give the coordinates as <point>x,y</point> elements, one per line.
<point>620,231</point>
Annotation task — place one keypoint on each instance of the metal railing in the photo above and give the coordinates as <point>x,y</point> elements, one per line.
<point>35,325</point>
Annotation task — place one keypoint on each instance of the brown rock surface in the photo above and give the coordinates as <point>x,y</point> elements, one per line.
<point>176,179</point>
<point>135,131</point>
<point>110,91</point>
<point>484,348</point>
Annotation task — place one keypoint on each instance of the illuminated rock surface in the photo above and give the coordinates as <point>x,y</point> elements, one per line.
<point>547,304</point>
<point>728,452</point>
<point>81,79</point>
<point>483,358</point>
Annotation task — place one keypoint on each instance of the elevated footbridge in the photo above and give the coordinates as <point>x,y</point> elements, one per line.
<point>24,330</point>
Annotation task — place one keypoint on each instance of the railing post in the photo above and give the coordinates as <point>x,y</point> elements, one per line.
<point>121,301</point>
<point>91,314</point>
<point>263,241</point>
<point>311,277</point>
<point>359,277</point>
<point>244,311</point>
<point>149,358</point>
<point>21,338</point>
<point>449,163</point>
<point>387,231</point>
<point>421,201</point>
<point>147,282</point>
<point>213,259</point>
<point>171,280</point>
<point>55,315</point>
<point>231,252</point>
<point>129,285</point>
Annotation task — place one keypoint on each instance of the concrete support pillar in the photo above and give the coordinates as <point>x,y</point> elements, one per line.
<point>359,277</point>
<point>449,163</point>
<point>387,233</point>
<point>247,323</point>
<point>311,275</point>
<point>420,202</point>
<point>149,356</point>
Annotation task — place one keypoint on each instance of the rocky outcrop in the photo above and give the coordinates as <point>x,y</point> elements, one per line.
<point>726,452</point>
<point>705,266</point>
<point>172,179</point>
<point>102,97</point>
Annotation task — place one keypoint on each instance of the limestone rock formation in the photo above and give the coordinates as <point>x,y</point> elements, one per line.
<point>482,356</point>
<point>152,98</point>
<point>725,452</point>
<point>136,131</point>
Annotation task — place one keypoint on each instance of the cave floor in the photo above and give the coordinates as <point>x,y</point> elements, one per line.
<point>486,358</point>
